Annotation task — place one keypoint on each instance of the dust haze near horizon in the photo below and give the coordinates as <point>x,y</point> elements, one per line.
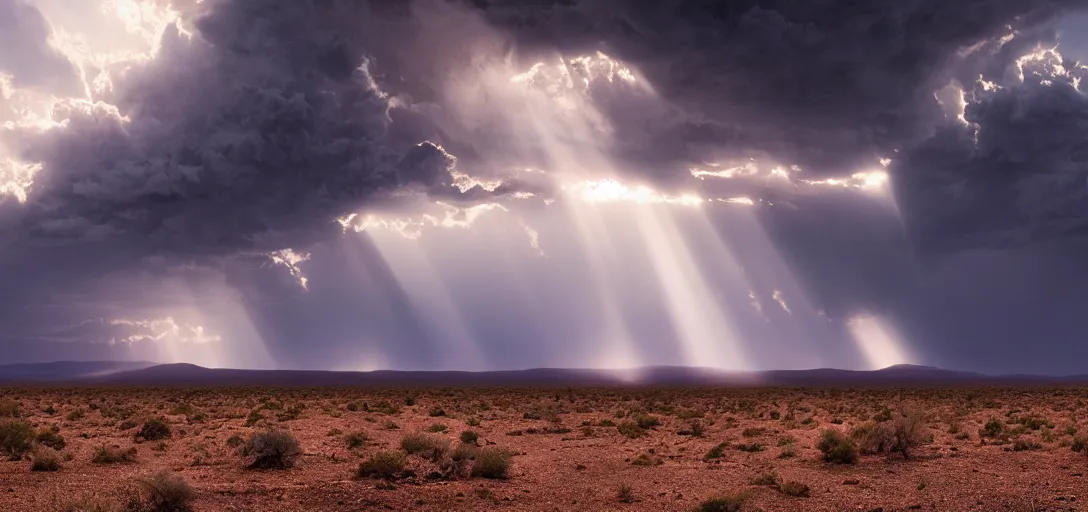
<point>439,184</point>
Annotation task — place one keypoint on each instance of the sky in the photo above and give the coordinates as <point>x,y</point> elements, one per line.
<point>441,184</point>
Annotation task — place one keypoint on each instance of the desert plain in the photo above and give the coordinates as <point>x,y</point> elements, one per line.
<point>543,449</point>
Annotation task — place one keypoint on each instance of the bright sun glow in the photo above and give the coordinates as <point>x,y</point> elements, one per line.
<point>612,191</point>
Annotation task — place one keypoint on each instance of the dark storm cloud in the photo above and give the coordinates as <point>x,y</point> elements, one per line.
<point>1017,173</point>
<point>273,118</point>
<point>254,134</point>
<point>829,85</point>
<point>35,64</point>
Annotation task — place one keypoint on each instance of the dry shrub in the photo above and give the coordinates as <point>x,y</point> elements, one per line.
<point>154,429</point>
<point>44,458</point>
<point>9,409</point>
<point>51,438</point>
<point>386,465</point>
<point>491,463</point>
<point>423,445</point>
<point>724,503</point>
<point>272,449</point>
<point>113,455</point>
<point>355,439</point>
<point>86,504</point>
<point>163,492</point>
<point>873,438</point>
<point>902,434</point>
<point>836,447</point>
<point>15,438</point>
<point>795,489</point>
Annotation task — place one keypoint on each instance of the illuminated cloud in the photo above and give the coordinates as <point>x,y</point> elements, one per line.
<point>781,300</point>
<point>16,178</point>
<point>612,191</point>
<point>164,330</point>
<point>291,260</point>
<point>440,215</point>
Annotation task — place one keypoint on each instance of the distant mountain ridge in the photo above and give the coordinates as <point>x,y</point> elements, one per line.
<point>183,374</point>
<point>66,370</point>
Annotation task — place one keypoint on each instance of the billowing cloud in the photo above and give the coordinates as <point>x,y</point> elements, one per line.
<point>29,59</point>
<point>706,177</point>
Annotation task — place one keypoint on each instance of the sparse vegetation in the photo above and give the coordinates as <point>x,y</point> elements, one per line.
<point>491,463</point>
<point>15,438</point>
<point>469,437</point>
<point>423,445</point>
<point>385,465</point>
<point>113,455</point>
<point>625,494</point>
<point>163,492</point>
<point>154,429</point>
<point>50,437</point>
<point>272,449</point>
<point>725,503</point>
<point>651,436</point>
<point>44,458</point>
<point>355,439</point>
<point>836,447</point>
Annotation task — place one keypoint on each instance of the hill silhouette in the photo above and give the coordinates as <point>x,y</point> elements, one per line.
<point>184,374</point>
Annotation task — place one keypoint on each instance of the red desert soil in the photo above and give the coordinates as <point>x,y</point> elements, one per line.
<point>571,449</point>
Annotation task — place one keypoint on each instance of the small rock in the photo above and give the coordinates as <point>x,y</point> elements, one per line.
<point>851,481</point>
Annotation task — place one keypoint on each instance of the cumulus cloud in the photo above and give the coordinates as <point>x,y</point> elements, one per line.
<point>36,63</point>
<point>231,138</point>
<point>1014,171</point>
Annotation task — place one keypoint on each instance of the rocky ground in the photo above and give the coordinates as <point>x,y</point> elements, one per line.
<point>546,449</point>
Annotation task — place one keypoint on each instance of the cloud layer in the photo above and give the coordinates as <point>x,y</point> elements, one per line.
<point>255,132</point>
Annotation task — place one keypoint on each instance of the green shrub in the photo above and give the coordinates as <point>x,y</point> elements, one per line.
<point>15,438</point>
<point>992,428</point>
<point>436,428</point>
<point>631,429</point>
<point>355,439</point>
<point>385,465</point>
<point>491,463</point>
<point>836,447</point>
<point>51,438</point>
<point>272,449</point>
<point>154,429</point>
<point>469,437</point>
